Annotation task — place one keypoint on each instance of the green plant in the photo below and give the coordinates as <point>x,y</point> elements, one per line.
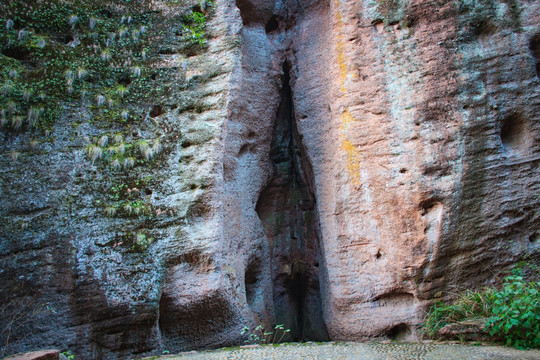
<point>469,305</point>
<point>75,50</point>
<point>194,25</point>
<point>68,354</point>
<point>260,336</point>
<point>516,312</point>
<point>512,312</point>
<point>141,242</point>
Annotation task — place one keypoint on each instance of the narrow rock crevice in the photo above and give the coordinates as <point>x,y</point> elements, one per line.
<point>534,47</point>
<point>252,280</point>
<point>287,211</point>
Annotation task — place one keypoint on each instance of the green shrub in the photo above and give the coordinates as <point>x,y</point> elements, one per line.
<point>516,312</point>
<point>512,312</point>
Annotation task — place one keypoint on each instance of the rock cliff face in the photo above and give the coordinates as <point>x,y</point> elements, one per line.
<point>331,165</point>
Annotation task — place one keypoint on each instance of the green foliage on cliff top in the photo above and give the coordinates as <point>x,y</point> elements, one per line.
<point>104,67</point>
<point>98,54</point>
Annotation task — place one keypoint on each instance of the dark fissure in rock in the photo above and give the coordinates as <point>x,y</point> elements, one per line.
<point>287,210</point>
<point>272,25</point>
<point>534,46</point>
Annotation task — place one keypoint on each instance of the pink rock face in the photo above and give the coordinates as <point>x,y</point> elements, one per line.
<point>37,355</point>
<point>419,122</point>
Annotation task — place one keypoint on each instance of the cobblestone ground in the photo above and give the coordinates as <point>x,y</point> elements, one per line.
<point>361,351</point>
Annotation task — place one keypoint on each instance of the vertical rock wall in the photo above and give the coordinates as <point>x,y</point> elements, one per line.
<point>344,163</point>
<point>430,194</point>
<point>419,122</point>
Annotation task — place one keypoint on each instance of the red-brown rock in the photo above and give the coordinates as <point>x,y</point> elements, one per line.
<point>36,355</point>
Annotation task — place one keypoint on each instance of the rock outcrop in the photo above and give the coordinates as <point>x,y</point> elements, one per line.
<point>330,165</point>
<point>37,355</point>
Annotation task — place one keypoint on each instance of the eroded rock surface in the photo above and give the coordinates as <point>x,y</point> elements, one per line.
<point>344,163</point>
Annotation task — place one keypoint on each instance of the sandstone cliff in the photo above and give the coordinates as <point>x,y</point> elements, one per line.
<point>330,165</point>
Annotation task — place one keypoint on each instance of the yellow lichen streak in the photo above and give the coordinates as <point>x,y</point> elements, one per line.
<point>353,157</point>
<point>351,153</point>
<point>353,161</point>
<point>343,71</point>
<point>346,119</point>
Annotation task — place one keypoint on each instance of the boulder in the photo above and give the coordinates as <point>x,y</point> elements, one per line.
<point>36,355</point>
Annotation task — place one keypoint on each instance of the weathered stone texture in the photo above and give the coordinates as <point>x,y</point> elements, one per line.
<point>414,153</point>
<point>37,355</point>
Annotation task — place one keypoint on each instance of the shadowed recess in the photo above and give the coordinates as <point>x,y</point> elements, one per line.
<point>534,46</point>
<point>286,208</point>
<point>514,135</point>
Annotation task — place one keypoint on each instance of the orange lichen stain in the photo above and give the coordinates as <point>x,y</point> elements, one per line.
<point>351,153</point>
<point>343,70</point>
<point>353,161</point>
<point>346,119</point>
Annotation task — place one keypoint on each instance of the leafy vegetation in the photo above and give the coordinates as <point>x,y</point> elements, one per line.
<point>68,354</point>
<point>194,27</point>
<point>97,54</point>
<point>99,63</point>
<point>56,51</point>
<point>515,312</point>
<point>512,312</point>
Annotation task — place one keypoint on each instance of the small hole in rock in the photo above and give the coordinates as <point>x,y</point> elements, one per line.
<point>16,53</point>
<point>157,111</point>
<point>534,46</point>
<point>412,20</point>
<point>403,170</point>
<point>399,332</point>
<point>243,149</point>
<point>106,13</point>
<point>124,79</point>
<point>484,27</point>
<point>513,133</point>
<point>186,143</point>
<point>272,25</point>
<point>251,279</point>
<point>378,255</point>
<point>64,38</point>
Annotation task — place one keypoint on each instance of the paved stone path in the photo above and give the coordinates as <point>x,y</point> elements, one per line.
<point>363,351</point>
